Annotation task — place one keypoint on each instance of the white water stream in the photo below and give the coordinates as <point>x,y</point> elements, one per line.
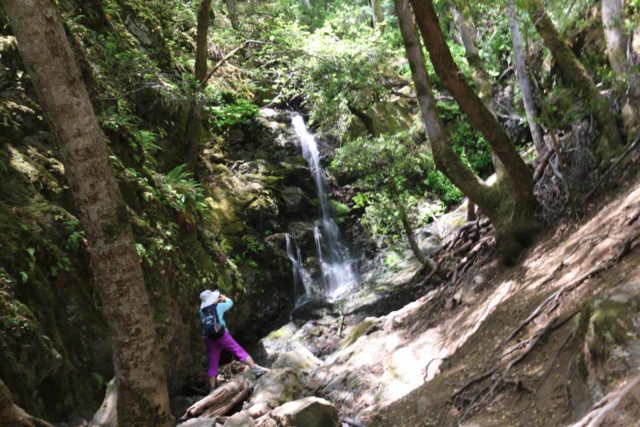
<point>332,254</point>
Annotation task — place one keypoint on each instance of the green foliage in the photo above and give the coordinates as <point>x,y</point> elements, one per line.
<point>391,170</point>
<point>180,191</point>
<point>225,110</point>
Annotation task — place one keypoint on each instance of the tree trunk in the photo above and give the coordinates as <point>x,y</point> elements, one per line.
<point>525,85</point>
<point>574,73</point>
<point>520,181</point>
<point>408,229</point>
<point>479,74</point>
<point>623,64</point>
<point>377,14</point>
<point>221,400</point>
<point>232,10</point>
<point>202,40</point>
<point>513,218</point>
<point>195,128</point>
<point>116,268</point>
<point>468,36</point>
<point>11,415</point>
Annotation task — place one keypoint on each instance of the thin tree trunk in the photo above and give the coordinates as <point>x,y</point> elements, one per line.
<point>479,74</point>
<point>480,116</point>
<point>523,80</point>
<point>574,73</point>
<point>116,267</point>
<point>195,128</point>
<point>377,14</point>
<point>202,40</point>
<point>232,10</point>
<point>622,59</point>
<point>512,218</point>
<point>408,229</point>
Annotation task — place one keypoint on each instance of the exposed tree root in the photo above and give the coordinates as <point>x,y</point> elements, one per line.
<point>471,403</point>
<point>606,405</point>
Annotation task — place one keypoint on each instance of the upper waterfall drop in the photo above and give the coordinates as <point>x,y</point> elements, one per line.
<point>332,254</point>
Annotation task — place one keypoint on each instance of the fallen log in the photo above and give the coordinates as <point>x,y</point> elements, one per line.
<point>221,400</point>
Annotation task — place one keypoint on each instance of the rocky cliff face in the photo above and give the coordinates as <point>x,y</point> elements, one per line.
<point>252,184</point>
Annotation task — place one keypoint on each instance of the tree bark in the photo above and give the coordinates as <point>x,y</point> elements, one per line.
<point>221,400</point>
<point>11,415</point>
<point>377,14</point>
<point>116,268</point>
<point>574,73</point>
<point>622,59</point>
<point>513,218</point>
<point>468,36</point>
<point>481,78</point>
<point>520,181</point>
<point>195,128</point>
<point>408,230</point>
<point>523,79</point>
<point>202,40</point>
<point>232,10</point>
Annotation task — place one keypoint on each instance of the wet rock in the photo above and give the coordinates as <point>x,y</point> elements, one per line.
<point>239,420</point>
<point>295,200</point>
<point>307,412</point>
<point>311,309</point>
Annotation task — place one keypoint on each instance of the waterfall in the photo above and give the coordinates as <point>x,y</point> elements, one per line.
<point>301,277</point>
<point>333,256</point>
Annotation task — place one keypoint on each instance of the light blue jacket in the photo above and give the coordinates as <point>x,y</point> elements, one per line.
<point>221,308</point>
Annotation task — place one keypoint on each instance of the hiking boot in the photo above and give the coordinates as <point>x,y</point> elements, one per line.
<point>258,371</point>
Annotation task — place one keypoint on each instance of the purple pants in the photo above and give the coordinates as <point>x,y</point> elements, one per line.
<point>215,347</point>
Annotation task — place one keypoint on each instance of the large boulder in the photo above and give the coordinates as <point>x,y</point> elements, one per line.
<point>276,387</point>
<point>307,412</point>
<point>299,359</point>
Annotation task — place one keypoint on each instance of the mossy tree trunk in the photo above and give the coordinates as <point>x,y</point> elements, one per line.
<point>116,267</point>
<point>622,60</point>
<point>232,10</point>
<point>377,14</point>
<point>195,126</point>
<point>575,74</point>
<point>512,215</point>
<point>523,80</point>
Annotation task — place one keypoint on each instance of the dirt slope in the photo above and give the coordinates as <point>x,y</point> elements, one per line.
<point>470,364</point>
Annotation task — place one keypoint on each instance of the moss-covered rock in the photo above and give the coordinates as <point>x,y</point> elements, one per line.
<point>612,338</point>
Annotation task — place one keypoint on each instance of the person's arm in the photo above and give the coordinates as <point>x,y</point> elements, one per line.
<point>225,303</point>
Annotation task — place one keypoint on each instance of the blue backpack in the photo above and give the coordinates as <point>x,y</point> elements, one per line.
<point>211,324</point>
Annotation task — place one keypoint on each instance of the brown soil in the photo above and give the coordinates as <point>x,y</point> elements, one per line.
<point>528,381</point>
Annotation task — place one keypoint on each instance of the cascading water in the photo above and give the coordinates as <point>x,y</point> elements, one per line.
<point>301,277</point>
<point>333,256</point>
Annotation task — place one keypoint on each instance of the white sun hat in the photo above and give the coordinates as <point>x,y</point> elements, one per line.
<point>208,298</point>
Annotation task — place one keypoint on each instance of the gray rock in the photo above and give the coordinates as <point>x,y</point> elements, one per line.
<point>240,420</point>
<point>198,422</point>
<point>276,387</point>
<point>295,200</point>
<point>307,412</point>
<point>299,358</point>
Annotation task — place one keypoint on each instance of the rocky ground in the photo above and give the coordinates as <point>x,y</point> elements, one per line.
<point>553,341</point>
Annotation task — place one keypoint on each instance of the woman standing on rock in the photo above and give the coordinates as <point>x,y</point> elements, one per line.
<point>217,336</point>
